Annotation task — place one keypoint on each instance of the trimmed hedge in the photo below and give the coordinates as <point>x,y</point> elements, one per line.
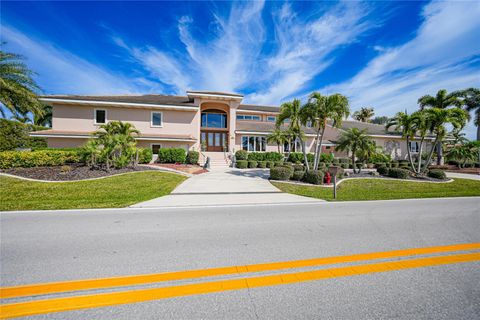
<point>13,159</point>
<point>171,155</point>
<point>383,170</point>
<point>273,156</point>
<point>241,164</point>
<point>262,164</point>
<point>192,157</point>
<point>296,156</point>
<point>270,164</point>
<point>256,156</point>
<point>314,177</point>
<point>281,173</point>
<point>298,175</point>
<point>252,164</point>
<point>437,174</point>
<point>298,167</point>
<point>14,134</point>
<point>145,155</point>
<point>278,163</point>
<point>398,173</point>
<point>241,155</point>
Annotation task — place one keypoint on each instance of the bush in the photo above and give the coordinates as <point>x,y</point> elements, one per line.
<point>298,167</point>
<point>313,177</point>
<point>171,155</point>
<point>379,157</point>
<point>295,156</point>
<point>14,134</point>
<point>281,173</point>
<point>345,160</point>
<point>326,157</point>
<point>383,170</point>
<point>145,155</point>
<point>395,164</point>
<point>192,157</point>
<point>278,163</point>
<point>252,164</point>
<point>25,159</point>
<point>344,165</point>
<point>256,156</point>
<point>262,164</point>
<point>270,164</point>
<point>241,155</point>
<point>273,156</point>
<point>398,173</point>
<point>437,174</point>
<point>241,164</point>
<point>298,175</point>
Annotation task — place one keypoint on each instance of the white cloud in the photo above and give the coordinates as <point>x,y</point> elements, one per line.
<point>65,73</point>
<point>441,55</point>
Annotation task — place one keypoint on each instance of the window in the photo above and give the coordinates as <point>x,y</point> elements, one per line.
<point>251,143</point>
<point>100,116</point>
<point>155,148</point>
<point>157,119</point>
<point>248,117</point>
<point>271,118</point>
<point>414,147</point>
<point>294,146</point>
<point>214,120</point>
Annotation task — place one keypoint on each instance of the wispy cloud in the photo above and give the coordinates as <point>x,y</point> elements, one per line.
<point>62,72</point>
<point>445,53</point>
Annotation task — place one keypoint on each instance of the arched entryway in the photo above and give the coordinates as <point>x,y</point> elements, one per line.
<point>214,128</point>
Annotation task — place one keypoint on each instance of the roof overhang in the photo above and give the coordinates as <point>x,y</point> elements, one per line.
<point>265,133</point>
<point>215,96</point>
<point>256,111</point>
<point>88,135</point>
<point>119,104</point>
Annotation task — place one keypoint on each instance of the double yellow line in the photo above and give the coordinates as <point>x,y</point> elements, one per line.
<point>139,295</point>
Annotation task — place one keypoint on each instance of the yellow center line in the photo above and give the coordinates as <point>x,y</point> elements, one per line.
<point>88,284</point>
<point>134,296</point>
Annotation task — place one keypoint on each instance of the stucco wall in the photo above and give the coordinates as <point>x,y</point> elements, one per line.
<point>65,142</point>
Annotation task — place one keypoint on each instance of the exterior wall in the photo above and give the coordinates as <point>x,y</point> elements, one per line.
<point>271,147</point>
<point>65,142</point>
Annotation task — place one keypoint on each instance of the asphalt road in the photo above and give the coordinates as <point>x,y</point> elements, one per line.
<point>44,246</point>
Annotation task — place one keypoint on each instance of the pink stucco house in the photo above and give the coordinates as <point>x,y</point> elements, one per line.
<point>215,120</point>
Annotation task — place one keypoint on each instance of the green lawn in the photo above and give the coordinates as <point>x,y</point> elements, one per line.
<point>378,189</point>
<point>112,192</point>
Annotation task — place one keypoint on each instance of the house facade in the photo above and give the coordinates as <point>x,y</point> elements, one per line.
<point>213,122</point>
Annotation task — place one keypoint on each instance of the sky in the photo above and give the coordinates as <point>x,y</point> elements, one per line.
<point>379,54</point>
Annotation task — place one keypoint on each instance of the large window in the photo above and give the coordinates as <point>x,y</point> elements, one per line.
<point>254,143</point>
<point>248,117</point>
<point>157,119</point>
<point>214,120</point>
<point>100,116</point>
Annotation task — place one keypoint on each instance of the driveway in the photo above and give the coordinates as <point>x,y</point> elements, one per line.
<point>463,175</point>
<point>226,186</point>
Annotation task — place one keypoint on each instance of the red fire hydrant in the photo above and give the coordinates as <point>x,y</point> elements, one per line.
<point>328,178</point>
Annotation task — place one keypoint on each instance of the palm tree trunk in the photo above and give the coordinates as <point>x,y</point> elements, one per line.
<point>278,146</point>
<point>353,160</point>
<point>410,155</point>
<point>305,159</point>
<point>430,154</point>
<point>318,151</point>
<point>420,156</point>
<point>439,153</point>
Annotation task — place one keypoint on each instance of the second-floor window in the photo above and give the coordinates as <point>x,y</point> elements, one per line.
<point>100,116</point>
<point>248,117</point>
<point>213,119</point>
<point>271,118</point>
<point>157,119</point>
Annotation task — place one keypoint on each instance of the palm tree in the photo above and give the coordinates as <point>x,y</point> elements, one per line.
<point>17,88</point>
<point>318,110</point>
<point>405,124</point>
<point>354,140</point>
<point>278,136</point>
<point>44,119</point>
<point>293,111</point>
<point>380,120</point>
<point>471,101</point>
<point>442,100</point>
<point>437,119</point>
<point>364,114</point>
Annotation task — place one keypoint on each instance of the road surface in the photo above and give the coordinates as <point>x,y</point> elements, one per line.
<point>42,247</point>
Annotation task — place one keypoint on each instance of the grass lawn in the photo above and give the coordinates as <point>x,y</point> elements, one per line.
<point>111,192</point>
<point>379,189</point>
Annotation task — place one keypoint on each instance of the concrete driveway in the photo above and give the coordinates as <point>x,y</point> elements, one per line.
<point>226,186</point>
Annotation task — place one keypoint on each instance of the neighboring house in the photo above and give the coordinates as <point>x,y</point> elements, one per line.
<point>208,121</point>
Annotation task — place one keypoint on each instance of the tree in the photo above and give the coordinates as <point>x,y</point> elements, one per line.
<point>380,120</point>
<point>364,114</point>
<point>278,136</point>
<point>442,100</point>
<point>405,124</point>
<point>44,119</point>
<point>320,109</point>
<point>355,141</point>
<point>17,88</point>
<point>464,152</point>
<point>471,101</point>
<point>293,111</point>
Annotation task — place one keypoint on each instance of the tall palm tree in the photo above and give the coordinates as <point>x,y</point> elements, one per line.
<point>364,114</point>
<point>437,119</point>
<point>471,101</point>
<point>17,88</point>
<point>354,140</point>
<point>292,111</point>
<point>318,110</point>
<point>44,119</point>
<point>405,124</point>
<point>278,136</point>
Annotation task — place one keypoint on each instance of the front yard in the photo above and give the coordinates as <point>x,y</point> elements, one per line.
<point>383,189</point>
<point>112,192</point>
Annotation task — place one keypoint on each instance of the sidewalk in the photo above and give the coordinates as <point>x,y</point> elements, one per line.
<point>226,186</point>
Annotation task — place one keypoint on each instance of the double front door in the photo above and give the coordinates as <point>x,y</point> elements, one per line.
<point>214,140</point>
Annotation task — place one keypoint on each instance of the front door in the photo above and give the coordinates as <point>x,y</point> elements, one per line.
<point>214,140</point>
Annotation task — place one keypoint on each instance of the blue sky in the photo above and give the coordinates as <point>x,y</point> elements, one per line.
<point>379,54</point>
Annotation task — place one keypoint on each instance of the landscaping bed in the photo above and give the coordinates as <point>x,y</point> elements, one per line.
<point>188,168</point>
<point>69,172</point>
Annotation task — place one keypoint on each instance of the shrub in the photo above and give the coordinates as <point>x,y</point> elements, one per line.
<point>278,163</point>
<point>345,160</point>
<point>313,177</point>
<point>298,175</point>
<point>380,164</point>
<point>270,164</point>
<point>322,166</point>
<point>273,156</point>
<point>14,134</point>
<point>298,167</point>
<point>336,161</point>
<point>295,156</point>
<point>145,155</point>
<point>310,157</point>
<point>262,164</point>
<point>398,173</point>
<point>252,164</point>
<point>256,156</point>
<point>344,165</point>
<point>15,159</point>
<point>242,164</point>
<point>192,157</point>
<point>379,157</point>
<point>395,164</point>
<point>171,155</point>
<point>281,173</point>
<point>326,157</point>
<point>241,155</point>
<point>383,170</point>
<point>437,174</point>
